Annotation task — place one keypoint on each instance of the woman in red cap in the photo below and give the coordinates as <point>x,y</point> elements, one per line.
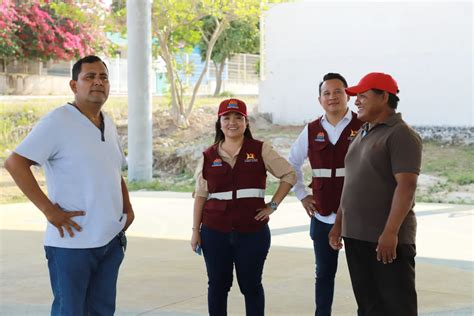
<point>230,214</point>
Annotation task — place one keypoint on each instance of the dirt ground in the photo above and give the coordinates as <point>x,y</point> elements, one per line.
<point>176,152</point>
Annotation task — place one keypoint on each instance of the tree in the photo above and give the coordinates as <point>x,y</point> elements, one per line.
<point>178,26</point>
<point>8,27</point>
<point>92,16</point>
<point>41,30</point>
<point>242,36</point>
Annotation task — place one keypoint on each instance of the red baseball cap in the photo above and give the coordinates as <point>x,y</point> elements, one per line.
<point>232,105</point>
<point>374,80</point>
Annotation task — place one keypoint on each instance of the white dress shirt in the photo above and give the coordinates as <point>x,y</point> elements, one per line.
<point>299,153</point>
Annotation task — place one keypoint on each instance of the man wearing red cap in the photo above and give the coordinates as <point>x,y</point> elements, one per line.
<point>376,217</point>
<point>325,142</point>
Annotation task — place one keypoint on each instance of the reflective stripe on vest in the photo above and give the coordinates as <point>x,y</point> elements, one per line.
<point>326,173</point>
<point>220,195</point>
<point>322,173</point>
<point>340,172</point>
<point>241,194</point>
<point>250,193</point>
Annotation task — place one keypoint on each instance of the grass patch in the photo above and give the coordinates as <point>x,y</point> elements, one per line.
<point>115,105</point>
<point>19,115</point>
<point>8,199</point>
<point>180,183</point>
<point>154,185</point>
<point>450,161</point>
<point>39,106</point>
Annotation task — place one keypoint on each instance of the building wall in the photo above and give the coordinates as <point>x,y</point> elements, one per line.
<point>425,45</point>
<point>27,84</point>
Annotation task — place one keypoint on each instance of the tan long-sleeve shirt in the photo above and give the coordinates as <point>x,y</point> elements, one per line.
<point>274,163</point>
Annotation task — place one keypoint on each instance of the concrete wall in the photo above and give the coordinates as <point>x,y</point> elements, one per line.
<point>425,45</point>
<point>3,84</point>
<point>26,84</point>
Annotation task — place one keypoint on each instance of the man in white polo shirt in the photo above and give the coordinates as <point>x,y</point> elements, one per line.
<point>88,206</point>
<point>324,142</point>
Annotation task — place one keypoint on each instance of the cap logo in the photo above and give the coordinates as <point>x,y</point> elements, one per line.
<point>233,105</point>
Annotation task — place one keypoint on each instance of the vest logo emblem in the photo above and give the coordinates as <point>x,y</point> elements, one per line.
<point>217,163</point>
<point>251,158</point>
<point>320,137</point>
<point>352,135</point>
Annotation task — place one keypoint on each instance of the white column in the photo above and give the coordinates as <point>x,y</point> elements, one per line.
<point>140,159</point>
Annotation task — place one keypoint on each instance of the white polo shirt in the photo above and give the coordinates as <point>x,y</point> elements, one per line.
<point>83,173</point>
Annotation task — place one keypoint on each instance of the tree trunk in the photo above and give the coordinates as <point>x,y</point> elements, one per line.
<point>168,58</point>
<point>219,71</point>
<point>217,32</point>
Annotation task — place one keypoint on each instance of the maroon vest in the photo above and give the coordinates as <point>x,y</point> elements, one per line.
<point>236,193</point>
<point>327,162</point>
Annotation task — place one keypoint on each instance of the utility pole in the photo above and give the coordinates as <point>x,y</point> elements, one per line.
<point>140,147</point>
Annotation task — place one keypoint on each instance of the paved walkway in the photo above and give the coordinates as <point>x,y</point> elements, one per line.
<point>162,276</point>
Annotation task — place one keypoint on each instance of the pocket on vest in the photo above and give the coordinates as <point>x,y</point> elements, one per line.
<point>215,205</point>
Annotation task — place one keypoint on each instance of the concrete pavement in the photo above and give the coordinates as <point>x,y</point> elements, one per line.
<point>162,276</point>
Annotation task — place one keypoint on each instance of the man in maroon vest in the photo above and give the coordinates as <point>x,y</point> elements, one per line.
<point>325,142</point>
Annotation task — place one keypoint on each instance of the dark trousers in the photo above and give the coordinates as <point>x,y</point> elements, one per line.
<point>326,266</point>
<point>248,252</point>
<point>382,289</point>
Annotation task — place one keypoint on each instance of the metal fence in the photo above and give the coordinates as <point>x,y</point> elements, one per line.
<point>239,76</point>
<point>243,68</point>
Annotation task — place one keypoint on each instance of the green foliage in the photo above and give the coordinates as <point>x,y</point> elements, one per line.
<point>241,36</point>
<point>257,67</point>
<point>40,29</point>
<point>14,126</point>
<point>179,26</point>
<point>226,94</point>
<point>176,21</point>
<point>9,45</point>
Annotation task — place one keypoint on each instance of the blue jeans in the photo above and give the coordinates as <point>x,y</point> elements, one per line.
<point>326,266</point>
<point>248,252</point>
<point>84,281</point>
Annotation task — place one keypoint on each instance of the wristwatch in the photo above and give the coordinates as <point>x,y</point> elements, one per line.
<point>273,205</point>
